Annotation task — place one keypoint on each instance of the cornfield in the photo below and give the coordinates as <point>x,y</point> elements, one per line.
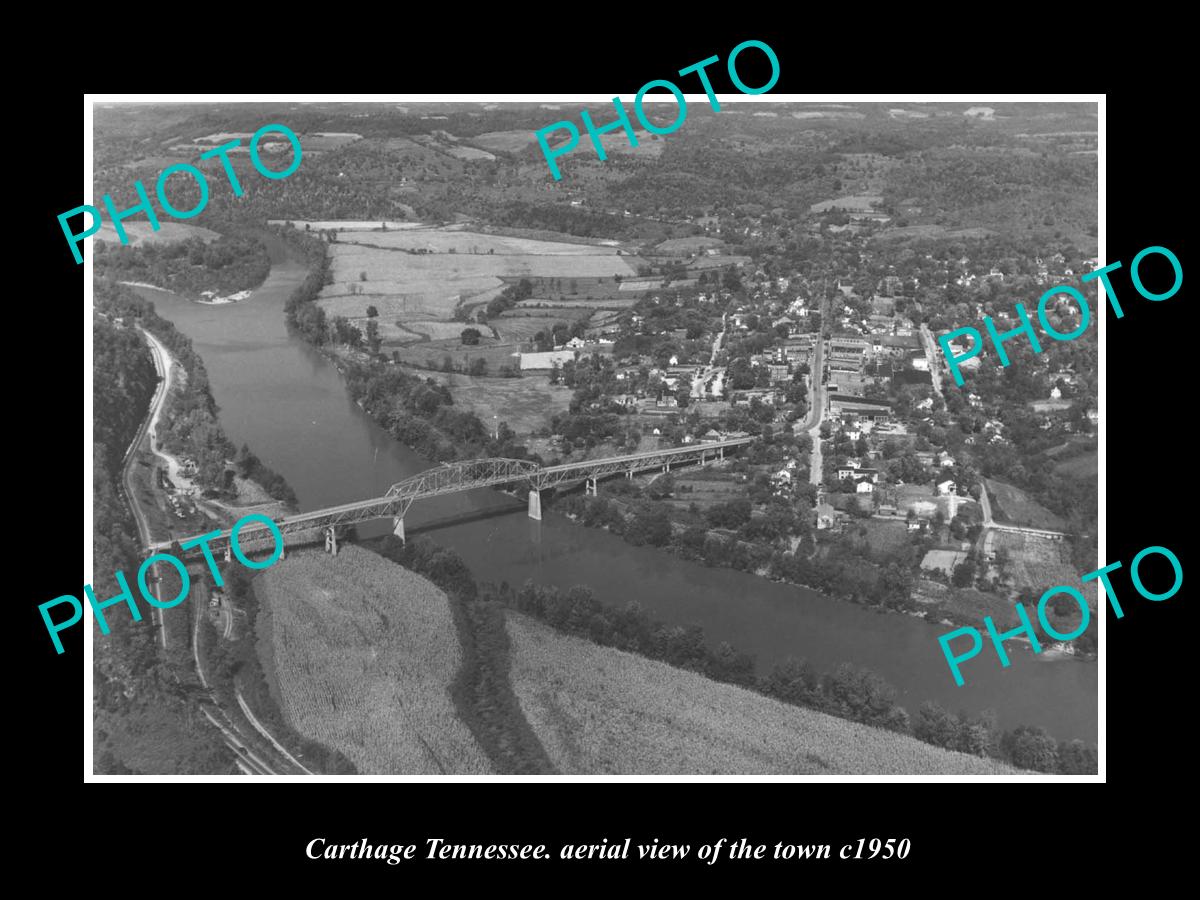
<point>600,710</point>
<point>364,652</point>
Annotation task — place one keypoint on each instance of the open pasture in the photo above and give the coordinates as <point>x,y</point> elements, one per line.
<point>444,240</point>
<point>526,404</point>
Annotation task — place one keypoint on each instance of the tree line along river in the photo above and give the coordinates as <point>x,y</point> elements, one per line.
<point>289,403</point>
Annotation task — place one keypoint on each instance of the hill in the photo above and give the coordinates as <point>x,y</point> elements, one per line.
<point>361,653</point>
<point>600,710</point>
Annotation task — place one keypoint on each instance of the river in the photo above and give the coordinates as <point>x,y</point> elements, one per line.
<point>290,405</point>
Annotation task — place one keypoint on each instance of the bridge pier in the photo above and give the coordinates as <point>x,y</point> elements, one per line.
<point>229,551</point>
<point>535,505</point>
<point>629,474</point>
<point>591,487</point>
<point>331,541</point>
<point>398,528</point>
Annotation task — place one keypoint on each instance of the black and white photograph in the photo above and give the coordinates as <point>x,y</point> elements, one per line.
<point>738,435</point>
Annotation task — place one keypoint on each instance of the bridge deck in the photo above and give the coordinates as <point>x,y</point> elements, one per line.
<point>465,476</point>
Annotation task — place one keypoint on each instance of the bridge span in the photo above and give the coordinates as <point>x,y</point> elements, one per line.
<point>450,478</point>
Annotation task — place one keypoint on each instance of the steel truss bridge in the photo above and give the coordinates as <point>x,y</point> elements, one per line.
<point>451,478</point>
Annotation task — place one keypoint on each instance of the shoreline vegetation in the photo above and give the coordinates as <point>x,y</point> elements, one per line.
<point>139,690</point>
<point>425,420</point>
<point>484,692</point>
<point>225,270</point>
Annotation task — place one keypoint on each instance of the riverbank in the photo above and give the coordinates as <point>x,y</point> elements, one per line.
<point>286,399</point>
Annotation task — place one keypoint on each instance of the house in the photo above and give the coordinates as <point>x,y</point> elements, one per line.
<point>945,460</point>
<point>574,343</point>
<point>863,486</point>
<point>826,516</point>
<point>947,487</point>
<point>626,401</point>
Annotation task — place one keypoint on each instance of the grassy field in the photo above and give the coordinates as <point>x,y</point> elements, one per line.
<point>1036,562</point>
<point>704,492</point>
<point>515,327</point>
<point>139,232</point>
<point>504,141</point>
<point>443,240</point>
<point>526,404</point>
<point>684,246</point>
<point>440,331</point>
<point>603,711</point>
<point>362,653</point>
<point>880,535</point>
<point>1012,506</point>
<point>408,286</point>
<point>1083,468</point>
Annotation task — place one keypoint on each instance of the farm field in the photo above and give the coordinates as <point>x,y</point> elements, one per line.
<point>443,240</point>
<point>715,262</point>
<point>411,287</point>
<point>345,225</point>
<point>515,327</point>
<point>361,654</point>
<point>140,232</point>
<point>1012,506</point>
<point>526,404</point>
<point>504,141</point>
<point>432,354</point>
<point>603,711</point>
<point>684,246</point>
<point>440,331</point>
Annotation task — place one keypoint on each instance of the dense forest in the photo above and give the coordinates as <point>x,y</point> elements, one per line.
<point>146,720</point>
<point>228,264</point>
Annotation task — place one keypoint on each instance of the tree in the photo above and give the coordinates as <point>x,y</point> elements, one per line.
<point>470,336</point>
<point>372,312</point>
<point>1030,747</point>
<point>374,341</point>
<point>478,366</point>
<point>362,276</point>
<point>964,574</point>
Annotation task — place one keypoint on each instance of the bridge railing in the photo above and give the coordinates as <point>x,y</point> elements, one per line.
<point>463,476</point>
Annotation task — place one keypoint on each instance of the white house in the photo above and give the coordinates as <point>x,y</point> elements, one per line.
<point>947,487</point>
<point>864,486</point>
